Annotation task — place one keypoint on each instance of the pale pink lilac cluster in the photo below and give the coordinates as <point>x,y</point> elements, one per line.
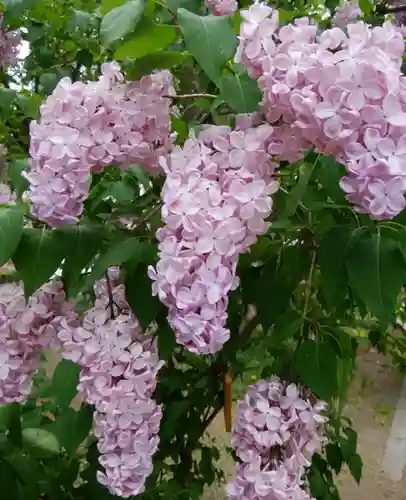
<point>216,199</point>
<point>9,44</point>
<point>343,92</point>
<point>6,196</point>
<point>85,127</point>
<point>26,327</point>
<point>400,22</point>
<point>276,430</point>
<point>119,367</point>
<point>222,7</point>
<point>348,12</point>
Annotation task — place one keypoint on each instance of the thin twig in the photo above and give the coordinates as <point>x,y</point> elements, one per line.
<point>147,216</point>
<point>308,291</point>
<point>387,9</point>
<point>189,96</point>
<point>110,295</point>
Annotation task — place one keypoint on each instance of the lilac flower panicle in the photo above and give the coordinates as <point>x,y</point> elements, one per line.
<point>348,12</point>
<point>222,7</point>
<point>216,197</point>
<point>275,433</point>
<point>86,127</point>
<point>6,196</point>
<point>119,366</point>
<point>26,327</point>
<point>343,92</point>
<point>9,44</point>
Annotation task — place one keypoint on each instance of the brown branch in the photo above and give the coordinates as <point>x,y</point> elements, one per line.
<point>147,215</point>
<point>384,9</point>
<point>110,295</point>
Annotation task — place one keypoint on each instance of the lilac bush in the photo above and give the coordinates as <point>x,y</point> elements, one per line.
<point>342,92</point>
<point>86,127</point>
<point>276,431</point>
<point>216,199</point>
<point>119,365</point>
<point>189,196</point>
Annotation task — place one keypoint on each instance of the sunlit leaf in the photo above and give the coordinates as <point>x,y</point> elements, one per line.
<point>240,92</point>
<point>40,442</point>
<point>37,257</point>
<point>11,230</point>
<point>119,21</point>
<point>377,271</point>
<point>210,39</point>
<point>148,38</point>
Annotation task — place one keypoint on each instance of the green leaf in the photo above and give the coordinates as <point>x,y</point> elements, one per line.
<point>9,4</point>
<point>37,257</point>
<point>79,424</point>
<point>117,254</point>
<point>18,5</point>
<point>297,193</point>
<point>329,172</point>
<point>7,97</point>
<point>141,176</point>
<point>211,41</point>
<point>272,290</point>
<point>348,444</point>
<point>64,382</point>
<point>180,127</point>
<point>82,244</point>
<point>11,230</point>
<point>10,419</point>
<point>121,20</point>
<point>29,470</point>
<point>316,365</point>
<point>331,258</point>
<point>160,60</point>
<point>240,92</point>
<point>148,38</point>
<point>49,81</point>
<point>355,466</point>
<point>18,182</point>
<point>40,442</point>
<point>166,341</point>
<point>80,19</point>
<point>122,192</point>
<point>334,457</point>
<point>9,481</point>
<point>366,6</point>
<point>108,5</point>
<point>377,271</point>
<point>30,104</point>
<point>138,292</point>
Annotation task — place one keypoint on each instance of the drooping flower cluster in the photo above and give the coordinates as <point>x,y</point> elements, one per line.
<point>6,196</point>
<point>9,42</point>
<point>348,12</point>
<point>216,199</point>
<point>87,127</point>
<point>400,22</point>
<point>342,92</point>
<point>222,7</point>
<point>119,366</point>
<point>26,327</point>
<point>399,18</point>
<point>276,431</point>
